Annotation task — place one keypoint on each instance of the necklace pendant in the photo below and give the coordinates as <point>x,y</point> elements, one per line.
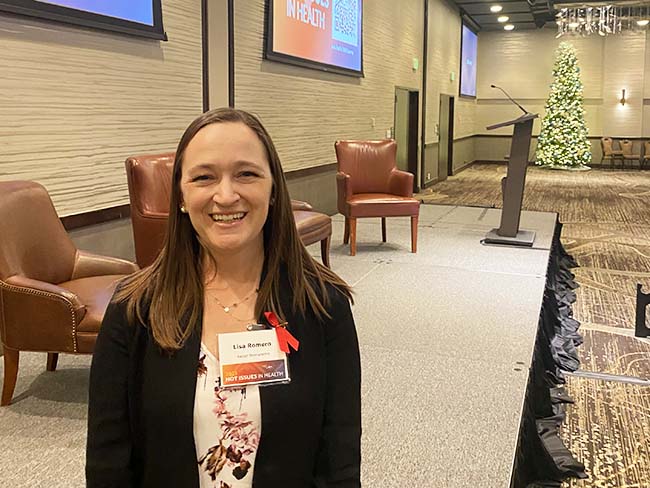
<point>226,309</point>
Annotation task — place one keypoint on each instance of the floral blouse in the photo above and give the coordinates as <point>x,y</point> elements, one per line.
<point>227,428</point>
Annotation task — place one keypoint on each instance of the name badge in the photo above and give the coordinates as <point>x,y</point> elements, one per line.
<point>252,358</point>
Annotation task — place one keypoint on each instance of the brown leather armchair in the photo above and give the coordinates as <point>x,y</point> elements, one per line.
<point>52,296</point>
<point>646,153</point>
<point>149,178</point>
<point>370,185</point>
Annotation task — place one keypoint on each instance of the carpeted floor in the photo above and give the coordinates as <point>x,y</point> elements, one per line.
<point>607,229</point>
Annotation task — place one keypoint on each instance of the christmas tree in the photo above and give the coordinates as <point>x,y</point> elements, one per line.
<point>562,142</point>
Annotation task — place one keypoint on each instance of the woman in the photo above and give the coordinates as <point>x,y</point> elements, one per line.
<point>158,415</point>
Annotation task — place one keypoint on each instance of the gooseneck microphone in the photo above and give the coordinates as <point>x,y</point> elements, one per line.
<point>510,98</point>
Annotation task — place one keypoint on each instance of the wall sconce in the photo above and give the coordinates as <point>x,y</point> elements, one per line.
<point>622,100</point>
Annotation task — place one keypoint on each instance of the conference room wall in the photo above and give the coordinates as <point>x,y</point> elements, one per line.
<point>76,103</point>
<point>443,60</point>
<point>307,110</point>
<point>522,63</point>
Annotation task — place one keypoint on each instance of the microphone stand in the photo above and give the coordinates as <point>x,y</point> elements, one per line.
<point>510,98</point>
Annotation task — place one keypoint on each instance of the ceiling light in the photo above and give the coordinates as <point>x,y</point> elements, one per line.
<point>508,27</point>
<point>503,18</point>
<point>643,22</point>
<point>496,8</point>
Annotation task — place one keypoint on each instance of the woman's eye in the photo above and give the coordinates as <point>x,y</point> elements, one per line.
<point>248,174</point>
<point>200,178</point>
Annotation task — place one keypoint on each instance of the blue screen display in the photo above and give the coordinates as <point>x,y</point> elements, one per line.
<point>140,11</point>
<point>468,62</point>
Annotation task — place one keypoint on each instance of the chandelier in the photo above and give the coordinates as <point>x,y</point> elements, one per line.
<point>601,19</point>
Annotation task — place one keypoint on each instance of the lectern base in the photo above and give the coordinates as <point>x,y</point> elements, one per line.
<point>524,238</point>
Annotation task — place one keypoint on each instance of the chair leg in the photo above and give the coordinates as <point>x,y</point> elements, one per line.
<point>353,236</point>
<point>52,360</point>
<point>11,374</point>
<point>414,233</point>
<point>383,229</point>
<point>346,232</point>
<point>325,251</point>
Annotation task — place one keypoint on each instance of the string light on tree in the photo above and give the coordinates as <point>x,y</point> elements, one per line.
<point>562,142</point>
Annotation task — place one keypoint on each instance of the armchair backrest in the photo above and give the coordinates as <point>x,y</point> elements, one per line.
<point>626,146</point>
<point>607,145</point>
<point>369,163</point>
<point>149,178</point>
<point>33,241</point>
<point>646,149</point>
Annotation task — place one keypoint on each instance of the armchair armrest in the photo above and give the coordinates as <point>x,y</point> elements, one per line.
<point>31,286</point>
<point>300,205</point>
<point>87,264</point>
<point>343,191</point>
<point>35,314</point>
<point>152,214</point>
<point>400,183</point>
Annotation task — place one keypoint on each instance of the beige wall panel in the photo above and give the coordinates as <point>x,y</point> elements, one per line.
<point>624,58</point>
<point>307,110</point>
<point>522,63</point>
<point>646,118</point>
<point>646,80</point>
<point>443,59</point>
<point>430,169</point>
<point>465,117</point>
<point>75,103</point>
<point>218,53</point>
<point>491,148</point>
<point>492,111</point>
<point>463,153</point>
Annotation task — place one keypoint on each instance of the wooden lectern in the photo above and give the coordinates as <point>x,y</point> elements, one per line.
<point>512,186</point>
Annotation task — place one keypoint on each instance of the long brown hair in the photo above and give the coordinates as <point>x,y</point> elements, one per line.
<point>168,295</point>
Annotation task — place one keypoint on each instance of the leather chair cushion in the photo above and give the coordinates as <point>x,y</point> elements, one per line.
<point>375,205</point>
<point>312,226</point>
<point>94,292</point>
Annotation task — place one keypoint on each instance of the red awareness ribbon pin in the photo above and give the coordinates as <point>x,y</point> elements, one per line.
<point>284,336</point>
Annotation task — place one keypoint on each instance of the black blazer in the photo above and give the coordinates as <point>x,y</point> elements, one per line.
<point>141,405</point>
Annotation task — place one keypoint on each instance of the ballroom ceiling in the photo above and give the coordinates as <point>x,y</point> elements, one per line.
<point>523,14</point>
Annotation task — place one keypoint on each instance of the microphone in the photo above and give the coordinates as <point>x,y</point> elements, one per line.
<point>510,98</point>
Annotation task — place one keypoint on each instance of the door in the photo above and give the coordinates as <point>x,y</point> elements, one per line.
<point>407,104</point>
<point>445,137</point>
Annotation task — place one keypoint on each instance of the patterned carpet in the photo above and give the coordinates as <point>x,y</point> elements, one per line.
<point>607,229</point>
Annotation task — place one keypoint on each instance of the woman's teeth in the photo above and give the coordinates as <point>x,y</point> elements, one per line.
<point>228,217</point>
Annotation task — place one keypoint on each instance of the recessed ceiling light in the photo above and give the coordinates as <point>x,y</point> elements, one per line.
<point>503,18</point>
<point>508,27</point>
<point>496,8</point>
<point>642,23</point>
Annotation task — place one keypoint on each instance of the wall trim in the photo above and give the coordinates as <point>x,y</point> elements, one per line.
<point>423,115</point>
<point>463,168</point>
<point>205,76</point>
<point>94,217</point>
<point>231,54</point>
<point>312,170</point>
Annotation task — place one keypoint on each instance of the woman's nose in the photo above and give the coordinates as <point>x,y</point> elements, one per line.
<point>226,193</point>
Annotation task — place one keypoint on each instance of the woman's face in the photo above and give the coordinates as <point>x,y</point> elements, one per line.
<point>226,187</point>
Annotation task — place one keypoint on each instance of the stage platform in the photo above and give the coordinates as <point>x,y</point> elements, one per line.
<point>447,336</point>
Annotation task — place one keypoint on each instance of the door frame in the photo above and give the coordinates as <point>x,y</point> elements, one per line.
<point>448,171</point>
<point>413,134</point>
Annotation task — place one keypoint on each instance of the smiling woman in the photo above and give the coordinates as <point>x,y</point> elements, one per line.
<point>226,190</point>
<point>232,263</point>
